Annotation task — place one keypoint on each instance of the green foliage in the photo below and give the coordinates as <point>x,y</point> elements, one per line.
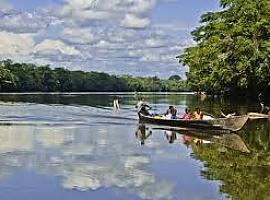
<point>233,49</point>
<point>5,75</point>
<point>31,78</point>
<point>175,77</point>
<point>7,79</point>
<point>242,175</point>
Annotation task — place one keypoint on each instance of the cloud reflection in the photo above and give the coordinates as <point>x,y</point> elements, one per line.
<point>11,142</point>
<point>85,161</point>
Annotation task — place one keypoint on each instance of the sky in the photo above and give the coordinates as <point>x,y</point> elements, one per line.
<point>134,37</point>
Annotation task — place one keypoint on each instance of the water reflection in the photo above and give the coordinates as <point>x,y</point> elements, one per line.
<point>226,139</point>
<point>108,153</point>
<point>244,176</point>
<point>84,161</point>
<point>142,133</point>
<point>170,136</point>
<point>240,161</point>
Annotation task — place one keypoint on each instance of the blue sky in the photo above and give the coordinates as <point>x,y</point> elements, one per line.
<point>136,37</point>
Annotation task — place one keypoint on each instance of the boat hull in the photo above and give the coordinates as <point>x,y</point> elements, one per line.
<point>254,115</point>
<point>233,123</point>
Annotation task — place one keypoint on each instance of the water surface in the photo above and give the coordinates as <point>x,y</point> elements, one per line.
<point>75,146</point>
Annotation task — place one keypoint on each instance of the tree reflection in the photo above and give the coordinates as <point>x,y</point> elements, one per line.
<point>243,176</point>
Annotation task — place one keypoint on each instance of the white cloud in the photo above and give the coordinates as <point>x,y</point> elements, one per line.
<point>173,27</point>
<point>112,8</point>
<point>72,7</point>
<point>103,44</point>
<point>133,21</point>
<point>58,45</point>
<point>5,5</point>
<point>87,11</point>
<point>142,6</point>
<point>152,42</point>
<point>150,58</point>
<point>91,15</point>
<point>80,4</point>
<point>24,22</point>
<point>13,44</point>
<point>99,35</point>
<point>181,46</point>
<point>135,53</point>
<point>78,35</point>
<point>81,10</point>
<point>185,43</point>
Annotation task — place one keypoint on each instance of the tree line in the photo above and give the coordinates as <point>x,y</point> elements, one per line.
<point>232,51</point>
<point>25,77</point>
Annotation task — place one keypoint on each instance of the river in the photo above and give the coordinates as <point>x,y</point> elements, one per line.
<point>75,146</point>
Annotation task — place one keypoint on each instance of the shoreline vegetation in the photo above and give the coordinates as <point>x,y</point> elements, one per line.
<point>232,52</point>
<point>231,58</point>
<point>25,77</point>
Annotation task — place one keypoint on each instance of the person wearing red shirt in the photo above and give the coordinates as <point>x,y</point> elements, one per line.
<point>187,115</point>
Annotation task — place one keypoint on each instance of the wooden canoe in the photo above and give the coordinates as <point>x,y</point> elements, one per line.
<point>254,115</point>
<point>234,123</point>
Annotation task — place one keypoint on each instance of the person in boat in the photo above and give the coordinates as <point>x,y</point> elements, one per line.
<point>143,107</point>
<point>171,113</point>
<point>143,110</point>
<point>187,115</point>
<point>141,104</point>
<point>198,114</point>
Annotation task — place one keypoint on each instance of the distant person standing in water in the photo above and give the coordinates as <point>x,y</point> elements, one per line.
<point>116,106</point>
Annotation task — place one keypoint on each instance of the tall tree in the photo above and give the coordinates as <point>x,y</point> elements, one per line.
<point>232,53</point>
<point>6,77</point>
